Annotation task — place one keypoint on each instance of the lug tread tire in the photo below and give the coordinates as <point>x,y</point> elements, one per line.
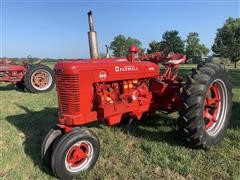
<point>191,121</point>
<point>27,78</point>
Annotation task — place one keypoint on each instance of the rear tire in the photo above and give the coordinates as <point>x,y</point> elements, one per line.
<point>74,153</point>
<point>38,79</point>
<point>207,103</point>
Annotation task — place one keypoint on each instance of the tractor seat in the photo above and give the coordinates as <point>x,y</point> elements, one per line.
<point>175,59</point>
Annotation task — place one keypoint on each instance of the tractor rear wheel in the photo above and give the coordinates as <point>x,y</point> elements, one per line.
<point>207,102</point>
<point>74,153</point>
<point>39,78</point>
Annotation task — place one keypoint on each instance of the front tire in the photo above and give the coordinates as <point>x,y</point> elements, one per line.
<point>47,145</point>
<point>74,153</point>
<point>207,103</point>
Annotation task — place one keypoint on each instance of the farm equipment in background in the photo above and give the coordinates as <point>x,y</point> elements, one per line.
<point>108,89</point>
<point>34,78</point>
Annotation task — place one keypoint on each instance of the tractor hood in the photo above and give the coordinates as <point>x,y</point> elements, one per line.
<point>107,69</point>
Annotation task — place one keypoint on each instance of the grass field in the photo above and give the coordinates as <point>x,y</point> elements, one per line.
<point>151,150</point>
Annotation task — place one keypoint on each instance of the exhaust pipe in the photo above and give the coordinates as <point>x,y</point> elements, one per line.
<point>107,51</point>
<point>92,38</point>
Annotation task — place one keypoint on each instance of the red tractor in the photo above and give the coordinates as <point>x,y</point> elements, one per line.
<point>109,89</point>
<point>34,78</point>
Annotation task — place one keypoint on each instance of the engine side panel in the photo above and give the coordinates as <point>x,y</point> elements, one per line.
<point>79,82</point>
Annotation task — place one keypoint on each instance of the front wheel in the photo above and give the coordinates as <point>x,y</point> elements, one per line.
<point>74,153</point>
<point>207,102</point>
<point>47,145</point>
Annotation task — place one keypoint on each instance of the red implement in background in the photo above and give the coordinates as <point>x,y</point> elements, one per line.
<point>33,78</point>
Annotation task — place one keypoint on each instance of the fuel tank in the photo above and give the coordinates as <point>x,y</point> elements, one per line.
<point>108,69</point>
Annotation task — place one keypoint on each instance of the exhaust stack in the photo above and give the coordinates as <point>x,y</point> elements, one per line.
<point>92,38</point>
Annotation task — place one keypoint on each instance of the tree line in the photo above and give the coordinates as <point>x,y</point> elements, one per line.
<point>226,43</point>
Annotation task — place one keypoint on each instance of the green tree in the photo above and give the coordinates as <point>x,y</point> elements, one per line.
<point>227,40</point>
<point>171,41</point>
<point>193,46</point>
<point>120,45</point>
<point>154,46</point>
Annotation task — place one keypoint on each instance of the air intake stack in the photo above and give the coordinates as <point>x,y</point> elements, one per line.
<point>92,38</point>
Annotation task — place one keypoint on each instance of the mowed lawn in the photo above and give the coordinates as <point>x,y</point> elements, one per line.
<point>152,150</point>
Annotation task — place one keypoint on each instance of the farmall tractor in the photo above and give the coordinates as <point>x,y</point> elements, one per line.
<point>35,78</point>
<point>108,89</point>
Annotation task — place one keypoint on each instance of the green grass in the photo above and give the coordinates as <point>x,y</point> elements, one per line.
<point>151,150</point>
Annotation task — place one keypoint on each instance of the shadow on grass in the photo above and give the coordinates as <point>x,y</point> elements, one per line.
<point>7,87</point>
<point>147,129</point>
<point>35,125</point>
<point>162,128</point>
<point>235,117</point>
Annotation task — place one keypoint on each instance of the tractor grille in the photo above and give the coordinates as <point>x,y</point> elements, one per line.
<point>68,93</point>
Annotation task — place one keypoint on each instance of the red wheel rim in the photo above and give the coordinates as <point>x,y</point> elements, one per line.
<point>215,107</point>
<point>211,106</point>
<point>79,156</point>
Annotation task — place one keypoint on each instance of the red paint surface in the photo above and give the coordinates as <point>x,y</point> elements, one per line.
<point>106,89</point>
<point>77,155</point>
<point>211,106</point>
<point>11,72</point>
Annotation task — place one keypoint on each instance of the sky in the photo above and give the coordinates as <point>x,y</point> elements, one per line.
<point>58,29</point>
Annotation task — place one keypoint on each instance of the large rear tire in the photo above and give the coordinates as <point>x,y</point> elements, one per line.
<point>39,78</point>
<point>207,103</point>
